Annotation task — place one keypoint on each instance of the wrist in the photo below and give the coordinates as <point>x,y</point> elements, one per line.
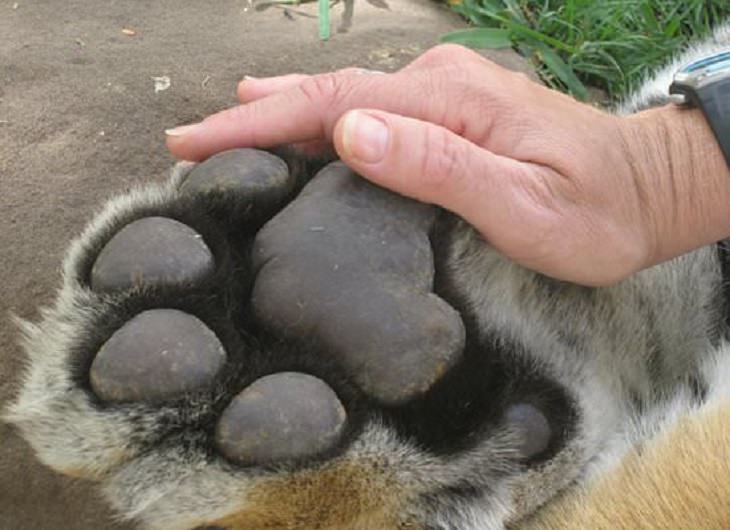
<point>680,170</point>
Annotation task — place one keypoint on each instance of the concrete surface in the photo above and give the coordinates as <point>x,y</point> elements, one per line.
<point>80,120</point>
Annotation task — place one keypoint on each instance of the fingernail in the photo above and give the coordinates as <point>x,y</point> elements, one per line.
<point>365,137</point>
<point>249,77</point>
<point>182,130</point>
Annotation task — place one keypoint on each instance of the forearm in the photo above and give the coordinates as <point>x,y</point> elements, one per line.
<point>680,171</point>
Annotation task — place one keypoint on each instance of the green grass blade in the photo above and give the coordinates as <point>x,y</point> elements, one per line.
<point>609,44</point>
<point>541,37</point>
<point>515,11</point>
<point>480,38</point>
<point>562,71</point>
<point>649,17</point>
<point>672,27</point>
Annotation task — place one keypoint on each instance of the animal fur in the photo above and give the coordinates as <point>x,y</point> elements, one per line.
<point>634,378</point>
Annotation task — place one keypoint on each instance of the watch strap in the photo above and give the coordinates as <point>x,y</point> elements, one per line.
<point>714,101</point>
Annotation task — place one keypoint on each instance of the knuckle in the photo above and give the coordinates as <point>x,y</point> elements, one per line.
<point>443,54</point>
<point>449,52</point>
<point>327,96</point>
<point>325,89</point>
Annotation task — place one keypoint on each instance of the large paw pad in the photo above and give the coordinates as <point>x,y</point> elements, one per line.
<point>352,265</point>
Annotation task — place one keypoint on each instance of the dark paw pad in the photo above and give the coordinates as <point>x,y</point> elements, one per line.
<point>351,265</point>
<point>151,250</point>
<point>280,417</point>
<point>248,174</point>
<point>157,355</point>
<point>531,426</point>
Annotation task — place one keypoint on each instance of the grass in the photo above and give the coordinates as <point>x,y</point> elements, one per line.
<point>608,44</point>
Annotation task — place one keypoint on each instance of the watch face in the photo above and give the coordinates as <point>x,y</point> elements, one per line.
<point>703,71</point>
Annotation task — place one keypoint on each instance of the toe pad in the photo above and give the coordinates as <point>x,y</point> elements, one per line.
<point>243,174</point>
<point>151,250</point>
<point>532,426</point>
<point>282,416</point>
<point>157,355</point>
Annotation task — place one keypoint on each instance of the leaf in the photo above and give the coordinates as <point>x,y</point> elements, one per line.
<point>562,71</point>
<point>672,27</point>
<point>496,13</point>
<point>531,34</point>
<point>515,11</point>
<point>480,38</point>
<point>382,4</point>
<point>650,18</point>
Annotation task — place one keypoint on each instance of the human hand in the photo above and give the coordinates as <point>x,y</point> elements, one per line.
<point>554,184</point>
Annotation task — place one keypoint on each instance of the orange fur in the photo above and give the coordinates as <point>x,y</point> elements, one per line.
<point>335,497</point>
<point>680,480</point>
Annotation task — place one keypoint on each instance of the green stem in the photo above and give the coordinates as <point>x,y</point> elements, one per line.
<point>517,28</point>
<point>324,19</point>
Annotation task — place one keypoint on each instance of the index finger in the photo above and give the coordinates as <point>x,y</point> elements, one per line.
<point>309,111</point>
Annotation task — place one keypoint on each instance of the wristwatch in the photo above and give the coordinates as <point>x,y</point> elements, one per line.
<point>705,83</point>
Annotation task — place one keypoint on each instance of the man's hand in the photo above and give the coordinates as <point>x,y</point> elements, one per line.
<point>556,185</point>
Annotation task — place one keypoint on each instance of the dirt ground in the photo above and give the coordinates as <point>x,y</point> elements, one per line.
<point>80,120</point>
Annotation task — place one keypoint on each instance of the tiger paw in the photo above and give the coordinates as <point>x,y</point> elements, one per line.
<point>248,346</point>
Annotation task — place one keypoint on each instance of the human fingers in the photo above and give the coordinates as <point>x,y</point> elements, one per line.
<point>309,110</point>
<point>433,165</point>
<point>527,211</point>
<point>253,88</point>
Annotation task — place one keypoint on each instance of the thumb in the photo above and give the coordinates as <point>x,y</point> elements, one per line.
<point>434,165</point>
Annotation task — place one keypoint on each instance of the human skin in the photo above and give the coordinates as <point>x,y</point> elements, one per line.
<point>554,184</point>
